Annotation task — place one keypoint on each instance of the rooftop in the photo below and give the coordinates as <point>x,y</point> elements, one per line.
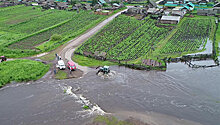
<point>173,18</point>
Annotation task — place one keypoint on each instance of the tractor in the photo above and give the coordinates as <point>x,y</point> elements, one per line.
<point>104,70</point>
<point>3,58</point>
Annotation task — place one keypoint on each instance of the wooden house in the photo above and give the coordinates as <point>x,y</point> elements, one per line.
<point>207,12</point>
<point>61,5</point>
<point>152,10</point>
<point>217,7</point>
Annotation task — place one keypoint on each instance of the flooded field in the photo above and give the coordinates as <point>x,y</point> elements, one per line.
<point>179,92</point>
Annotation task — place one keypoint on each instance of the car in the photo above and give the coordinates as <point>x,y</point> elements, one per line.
<point>71,65</point>
<point>3,58</point>
<point>61,64</point>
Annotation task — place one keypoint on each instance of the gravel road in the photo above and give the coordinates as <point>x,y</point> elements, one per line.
<point>67,52</point>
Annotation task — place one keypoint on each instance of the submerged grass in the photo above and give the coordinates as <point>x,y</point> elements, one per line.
<point>110,121</point>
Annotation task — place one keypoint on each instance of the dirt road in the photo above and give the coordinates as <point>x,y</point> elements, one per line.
<point>67,51</point>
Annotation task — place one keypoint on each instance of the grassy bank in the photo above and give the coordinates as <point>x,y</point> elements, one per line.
<point>21,70</point>
<point>86,61</point>
<point>111,120</point>
<point>217,40</point>
<point>61,74</point>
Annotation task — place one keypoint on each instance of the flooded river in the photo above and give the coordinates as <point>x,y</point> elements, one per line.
<point>180,92</point>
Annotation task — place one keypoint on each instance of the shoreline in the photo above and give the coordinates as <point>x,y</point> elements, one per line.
<point>154,118</point>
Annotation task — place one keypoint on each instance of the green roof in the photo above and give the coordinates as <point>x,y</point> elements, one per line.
<point>185,7</point>
<point>170,5</point>
<point>102,1</point>
<point>191,4</point>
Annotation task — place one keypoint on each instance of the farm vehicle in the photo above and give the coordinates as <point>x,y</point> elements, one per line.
<point>104,70</point>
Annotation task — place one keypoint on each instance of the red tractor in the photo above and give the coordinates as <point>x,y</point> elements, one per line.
<point>3,58</point>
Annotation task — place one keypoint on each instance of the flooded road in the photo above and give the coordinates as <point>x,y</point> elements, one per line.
<point>180,92</point>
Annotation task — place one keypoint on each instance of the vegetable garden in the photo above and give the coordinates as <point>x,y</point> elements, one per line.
<point>26,31</point>
<point>21,70</point>
<point>191,36</point>
<point>125,38</point>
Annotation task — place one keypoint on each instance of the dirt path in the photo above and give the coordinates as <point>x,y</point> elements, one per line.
<point>67,52</point>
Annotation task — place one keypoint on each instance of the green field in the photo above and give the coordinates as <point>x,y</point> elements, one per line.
<point>191,36</point>
<point>125,38</point>
<point>25,31</point>
<point>21,70</point>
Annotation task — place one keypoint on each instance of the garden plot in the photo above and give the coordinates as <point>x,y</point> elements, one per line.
<point>26,31</point>
<point>125,38</point>
<point>191,36</point>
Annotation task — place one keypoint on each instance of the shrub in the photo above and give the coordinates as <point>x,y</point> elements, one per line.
<point>56,37</point>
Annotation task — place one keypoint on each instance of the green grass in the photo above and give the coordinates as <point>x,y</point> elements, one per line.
<point>61,74</point>
<point>217,39</point>
<point>21,70</point>
<point>86,61</point>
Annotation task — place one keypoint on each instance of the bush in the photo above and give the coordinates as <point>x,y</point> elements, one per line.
<point>56,37</point>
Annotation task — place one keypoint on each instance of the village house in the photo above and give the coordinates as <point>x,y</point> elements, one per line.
<point>178,12</point>
<point>202,2</point>
<point>136,10</point>
<point>167,12</point>
<point>61,5</point>
<point>7,3</point>
<point>79,6</point>
<point>87,6</point>
<point>152,4</point>
<point>207,12</point>
<point>152,10</point>
<point>170,19</point>
<point>171,4</point>
<point>115,5</point>
<point>217,7</point>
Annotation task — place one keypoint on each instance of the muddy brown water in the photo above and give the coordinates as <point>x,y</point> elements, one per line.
<point>181,92</point>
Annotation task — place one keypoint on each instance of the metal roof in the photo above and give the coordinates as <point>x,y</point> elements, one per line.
<point>217,5</point>
<point>185,7</point>
<point>151,10</point>
<point>171,18</point>
<point>191,4</point>
<point>170,5</point>
<point>102,1</point>
<point>115,4</point>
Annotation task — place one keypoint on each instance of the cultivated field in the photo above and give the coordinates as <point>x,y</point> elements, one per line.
<point>26,31</point>
<point>125,38</point>
<point>191,36</point>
